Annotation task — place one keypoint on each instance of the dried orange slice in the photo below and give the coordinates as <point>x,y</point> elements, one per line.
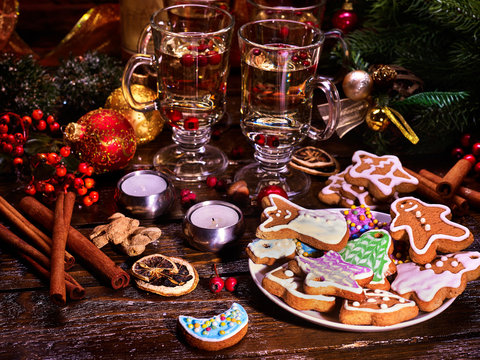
<point>162,279</point>
<point>153,266</point>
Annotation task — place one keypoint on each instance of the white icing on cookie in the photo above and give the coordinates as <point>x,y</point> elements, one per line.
<point>275,249</point>
<point>412,202</point>
<point>385,300</point>
<point>388,161</point>
<point>425,283</point>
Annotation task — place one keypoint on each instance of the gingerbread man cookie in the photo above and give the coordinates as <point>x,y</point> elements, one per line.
<point>380,308</point>
<point>322,229</point>
<point>331,275</point>
<point>443,278</point>
<point>428,229</point>
<point>381,175</point>
<point>372,249</point>
<point>284,283</point>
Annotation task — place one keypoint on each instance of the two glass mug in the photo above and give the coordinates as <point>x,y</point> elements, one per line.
<point>278,64</point>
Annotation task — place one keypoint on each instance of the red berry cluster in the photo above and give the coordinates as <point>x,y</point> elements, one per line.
<point>174,116</point>
<point>300,57</point>
<point>215,183</point>
<point>14,132</point>
<point>187,196</point>
<point>216,283</point>
<point>469,150</point>
<point>62,179</point>
<point>270,140</point>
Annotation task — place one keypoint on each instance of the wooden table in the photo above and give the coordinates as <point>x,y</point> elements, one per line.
<point>131,323</point>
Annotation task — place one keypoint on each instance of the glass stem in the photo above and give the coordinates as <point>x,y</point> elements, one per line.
<point>191,141</point>
<point>273,160</point>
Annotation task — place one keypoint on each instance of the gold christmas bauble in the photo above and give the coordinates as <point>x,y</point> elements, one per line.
<point>357,85</point>
<point>146,125</point>
<point>377,119</point>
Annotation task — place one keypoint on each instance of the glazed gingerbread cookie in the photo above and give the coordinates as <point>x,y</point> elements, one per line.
<point>284,283</point>
<point>361,219</point>
<point>331,275</point>
<point>428,229</point>
<point>262,251</point>
<point>443,278</point>
<point>372,249</point>
<point>322,229</point>
<point>380,308</point>
<point>381,175</point>
<point>218,332</point>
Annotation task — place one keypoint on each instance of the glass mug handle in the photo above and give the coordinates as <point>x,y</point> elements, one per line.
<point>333,100</point>
<point>144,40</point>
<point>135,61</point>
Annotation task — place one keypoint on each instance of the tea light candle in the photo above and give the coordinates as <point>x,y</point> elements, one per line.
<point>145,193</point>
<point>210,225</point>
<point>144,184</point>
<point>214,216</point>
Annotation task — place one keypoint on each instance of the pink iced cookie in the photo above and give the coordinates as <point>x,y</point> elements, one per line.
<point>330,275</point>
<point>443,278</point>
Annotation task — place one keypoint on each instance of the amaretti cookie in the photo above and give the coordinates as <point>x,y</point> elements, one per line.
<point>443,278</point>
<point>218,332</point>
<point>381,175</point>
<point>322,229</point>
<point>262,251</point>
<point>379,308</point>
<point>428,229</point>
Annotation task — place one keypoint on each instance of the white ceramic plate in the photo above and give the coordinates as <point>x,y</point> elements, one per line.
<point>330,320</point>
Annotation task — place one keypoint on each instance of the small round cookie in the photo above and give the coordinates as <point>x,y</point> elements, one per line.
<point>267,252</point>
<point>218,332</point>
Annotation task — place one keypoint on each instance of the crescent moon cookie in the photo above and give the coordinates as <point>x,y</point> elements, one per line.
<point>322,229</point>
<point>269,251</point>
<point>284,283</point>
<point>381,175</point>
<point>443,278</point>
<point>372,249</point>
<point>380,308</point>
<point>218,332</point>
<point>428,229</point>
<point>330,275</point>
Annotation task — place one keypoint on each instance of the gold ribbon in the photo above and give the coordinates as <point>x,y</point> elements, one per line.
<point>397,119</point>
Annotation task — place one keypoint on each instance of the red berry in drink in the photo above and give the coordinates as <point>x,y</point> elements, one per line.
<point>260,139</point>
<point>214,58</point>
<point>191,123</point>
<point>273,141</point>
<point>187,60</point>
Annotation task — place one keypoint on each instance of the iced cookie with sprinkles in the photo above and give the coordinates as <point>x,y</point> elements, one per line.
<point>305,250</point>
<point>381,175</point>
<point>360,219</point>
<point>372,249</point>
<point>427,228</point>
<point>322,229</point>
<point>218,332</point>
<point>331,275</point>
<point>284,283</point>
<point>443,278</point>
<point>267,252</point>
<point>379,308</point>
<point>330,193</point>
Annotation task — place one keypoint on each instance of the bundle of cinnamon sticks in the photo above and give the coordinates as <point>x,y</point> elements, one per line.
<point>48,255</point>
<point>448,189</point>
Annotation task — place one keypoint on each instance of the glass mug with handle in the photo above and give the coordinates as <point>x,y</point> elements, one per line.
<point>279,62</point>
<point>191,58</point>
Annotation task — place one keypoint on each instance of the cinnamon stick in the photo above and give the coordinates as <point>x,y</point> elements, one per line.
<point>39,261</point>
<point>40,239</point>
<point>449,184</point>
<point>63,215</point>
<point>79,245</point>
<point>472,196</point>
<point>427,188</point>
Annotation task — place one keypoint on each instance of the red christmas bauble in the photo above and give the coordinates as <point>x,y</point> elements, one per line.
<point>104,138</point>
<point>345,20</point>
